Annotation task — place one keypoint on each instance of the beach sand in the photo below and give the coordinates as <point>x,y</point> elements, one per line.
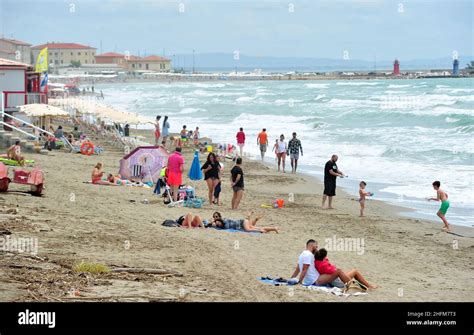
<point>412,260</point>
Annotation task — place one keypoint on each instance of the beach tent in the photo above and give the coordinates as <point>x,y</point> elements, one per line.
<point>144,163</point>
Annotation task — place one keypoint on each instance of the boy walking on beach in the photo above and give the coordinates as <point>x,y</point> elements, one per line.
<point>262,140</point>
<point>443,197</point>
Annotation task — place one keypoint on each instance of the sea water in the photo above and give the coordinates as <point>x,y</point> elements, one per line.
<point>396,135</point>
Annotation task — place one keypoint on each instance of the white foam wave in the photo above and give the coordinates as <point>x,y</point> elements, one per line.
<point>398,86</point>
<point>356,83</point>
<point>314,85</point>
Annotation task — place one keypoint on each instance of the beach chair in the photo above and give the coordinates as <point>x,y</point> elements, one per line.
<point>170,198</point>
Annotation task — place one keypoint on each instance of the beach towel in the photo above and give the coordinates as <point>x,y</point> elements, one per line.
<point>328,288</point>
<point>236,231</point>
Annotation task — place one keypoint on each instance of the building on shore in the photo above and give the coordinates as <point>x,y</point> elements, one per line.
<point>15,50</point>
<point>136,64</point>
<point>111,58</point>
<point>149,63</point>
<point>66,54</point>
<point>396,68</point>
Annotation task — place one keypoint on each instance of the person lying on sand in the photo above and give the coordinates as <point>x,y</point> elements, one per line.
<point>248,224</point>
<point>190,221</point>
<point>97,175</point>
<point>117,179</point>
<point>328,272</point>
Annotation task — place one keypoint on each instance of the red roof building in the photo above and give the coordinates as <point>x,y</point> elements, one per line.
<point>111,58</point>
<point>66,54</point>
<point>135,63</point>
<point>54,45</point>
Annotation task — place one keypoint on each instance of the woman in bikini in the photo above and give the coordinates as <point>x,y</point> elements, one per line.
<point>97,175</point>
<point>157,130</point>
<point>248,224</point>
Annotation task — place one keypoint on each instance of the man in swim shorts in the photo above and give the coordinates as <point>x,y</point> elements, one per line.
<point>262,140</point>
<point>443,197</point>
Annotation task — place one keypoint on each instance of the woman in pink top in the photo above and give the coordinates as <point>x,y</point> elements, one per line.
<point>328,272</point>
<point>241,140</point>
<point>175,172</point>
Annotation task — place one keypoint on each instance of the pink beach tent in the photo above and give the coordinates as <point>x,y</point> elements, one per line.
<point>144,163</point>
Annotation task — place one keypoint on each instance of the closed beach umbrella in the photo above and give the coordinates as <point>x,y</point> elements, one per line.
<point>195,172</point>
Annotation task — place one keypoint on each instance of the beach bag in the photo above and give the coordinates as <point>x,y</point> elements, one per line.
<point>170,223</point>
<point>353,286</point>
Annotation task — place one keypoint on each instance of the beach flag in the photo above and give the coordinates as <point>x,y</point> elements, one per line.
<point>44,82</point>
<point>42,61</point>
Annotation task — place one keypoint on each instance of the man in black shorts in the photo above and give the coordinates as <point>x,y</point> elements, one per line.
<point>331,172</point>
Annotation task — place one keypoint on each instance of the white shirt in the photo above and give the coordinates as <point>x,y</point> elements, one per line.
<point>281,147</point>
<point>312,274</point>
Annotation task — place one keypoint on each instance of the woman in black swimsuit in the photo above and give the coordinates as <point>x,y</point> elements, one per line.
<point>211,171</point>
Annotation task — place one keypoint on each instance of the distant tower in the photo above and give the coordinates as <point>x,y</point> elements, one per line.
<point>456,68</point>
<point>396,68</point>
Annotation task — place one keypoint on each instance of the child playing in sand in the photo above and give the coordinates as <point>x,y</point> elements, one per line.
<point>184,136</point>
<point>362,195</point>
<point>443,197</point>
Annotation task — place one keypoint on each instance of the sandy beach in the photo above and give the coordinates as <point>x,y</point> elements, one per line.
<point>412,260</point>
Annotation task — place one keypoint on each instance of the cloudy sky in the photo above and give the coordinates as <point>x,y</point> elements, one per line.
<point>407,29</point>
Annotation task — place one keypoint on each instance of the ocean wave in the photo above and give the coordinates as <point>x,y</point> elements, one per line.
<point>319,97</point>
<point>356,83</point>
<point>190,110</point>
<point>451,120</point>
<point>398,86</point>
<point>314,85</point>
<point>202,93</point>
<point>245,99</point>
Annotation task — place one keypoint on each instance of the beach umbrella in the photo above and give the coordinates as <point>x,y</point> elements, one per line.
<point>37,110</point>
<point>195,172</point>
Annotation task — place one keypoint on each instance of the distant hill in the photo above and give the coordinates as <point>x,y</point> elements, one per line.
<point>226,62</point>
